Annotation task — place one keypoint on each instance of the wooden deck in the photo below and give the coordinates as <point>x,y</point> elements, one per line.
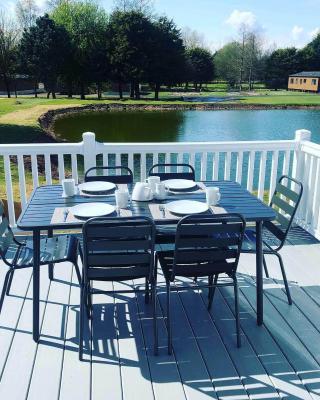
<point>278,360</point>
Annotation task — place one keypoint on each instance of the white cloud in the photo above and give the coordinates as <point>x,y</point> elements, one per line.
<point>297,32</point>
<point>242,18</point>
<point>314,32</point>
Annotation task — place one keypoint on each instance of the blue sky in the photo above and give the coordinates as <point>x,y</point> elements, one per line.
<point>281,22</point>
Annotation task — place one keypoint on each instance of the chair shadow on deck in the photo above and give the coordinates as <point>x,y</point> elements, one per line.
<point>205,356</point>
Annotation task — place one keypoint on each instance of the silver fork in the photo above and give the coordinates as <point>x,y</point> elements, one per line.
<point>65,214</point>
<point>163,210</point>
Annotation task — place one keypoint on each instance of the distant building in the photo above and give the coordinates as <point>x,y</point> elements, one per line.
<point>305,81</point>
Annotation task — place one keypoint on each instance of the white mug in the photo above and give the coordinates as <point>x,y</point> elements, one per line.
<point>213,196</point>
<point>153,181</point>
<point>69,187</point>
<point>122,198</point>
<point>142,192</point>
<point>161,191</point>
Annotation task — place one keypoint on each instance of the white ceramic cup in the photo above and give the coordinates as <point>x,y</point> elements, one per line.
<point>69,187</point>
<point>122,198</point>
<point>152,182</point>
<point>213,196</point>
<point>161,191</point>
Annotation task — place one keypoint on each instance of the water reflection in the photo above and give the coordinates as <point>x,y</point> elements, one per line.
<point>125,126</point>
<point>189,126</point>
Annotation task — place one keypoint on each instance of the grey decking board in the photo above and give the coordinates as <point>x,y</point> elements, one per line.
<point>197,381</point>
<point>76,375</point>
<point>163,368</point>
<point>11,312</point>
<point>287,340</point>
<point>223,373</point>
<point>135,372</point>
<point>45,380</point>
<point>106,372</point>
<point>20,361</point>
<point>224,320</point>
<point>277,366</point>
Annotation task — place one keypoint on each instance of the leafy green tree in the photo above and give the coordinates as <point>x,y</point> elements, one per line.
<point>279,65</point>
<point>8,51</point>
<point>227,63</point>
<point>42,50</point>
<point>86,24</point>
<point>168,55</point>
<point>201,66</point>
<point>129,38</point>
<point>310,55</point>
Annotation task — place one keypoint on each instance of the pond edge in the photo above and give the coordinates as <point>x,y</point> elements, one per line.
<point>46,120</point>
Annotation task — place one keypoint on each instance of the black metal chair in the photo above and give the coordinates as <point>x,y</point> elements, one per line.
<point>285,202</point>
<point>165,233</point>
<point>205,246</point>
<point>116,249</point>
<point>18,255</point>
<point>121,177</point>
<point>160,170</point>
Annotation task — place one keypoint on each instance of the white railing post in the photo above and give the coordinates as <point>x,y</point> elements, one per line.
<point>299,171</point>
<point>89,150</point>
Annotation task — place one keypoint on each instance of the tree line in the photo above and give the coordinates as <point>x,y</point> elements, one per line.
<point>246,60</point>
<point>76,45</point>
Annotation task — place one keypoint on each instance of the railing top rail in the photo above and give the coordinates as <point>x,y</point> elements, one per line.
<point>202,146</point>
<point>311,148</point>
<point>39,148</point>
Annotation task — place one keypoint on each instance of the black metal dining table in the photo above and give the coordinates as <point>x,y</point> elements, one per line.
<point>37,217</point>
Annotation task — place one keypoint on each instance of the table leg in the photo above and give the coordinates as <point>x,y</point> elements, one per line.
<point>51,265</point>
<point>36,283</point>
<point>259,273</point>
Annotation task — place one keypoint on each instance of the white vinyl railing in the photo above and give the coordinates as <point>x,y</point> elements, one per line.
<point>254,164</point>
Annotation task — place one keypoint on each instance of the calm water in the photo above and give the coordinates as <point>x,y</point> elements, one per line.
<point>189,126</point>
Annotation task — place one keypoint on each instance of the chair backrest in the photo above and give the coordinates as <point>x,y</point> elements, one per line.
<point>208,244</point>
<point>285,202</point>
<point>97,174</point>
<point>6,235</point>
<point>118,248</point>
<point>164,171</point>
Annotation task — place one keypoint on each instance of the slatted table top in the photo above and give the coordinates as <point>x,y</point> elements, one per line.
<point>45,199</point>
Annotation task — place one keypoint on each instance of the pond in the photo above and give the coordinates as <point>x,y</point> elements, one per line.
<point>189,126</point>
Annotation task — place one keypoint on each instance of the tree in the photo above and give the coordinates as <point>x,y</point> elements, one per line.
<point>43,48</point>
<point>168,55</point>
<point>279,65</point>
<point>86,24</point>
<point>201,66</point>
<point>27,12</point>
<point>227,63</point>
<point>252,57</point>
<point>8,50</point>
<point>129,38</point>
<point>191,38</point>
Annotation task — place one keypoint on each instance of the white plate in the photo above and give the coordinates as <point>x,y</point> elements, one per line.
<point>96,186</point>
<point>89,210</point>
<point>179,184</point>
<point>187,207</point>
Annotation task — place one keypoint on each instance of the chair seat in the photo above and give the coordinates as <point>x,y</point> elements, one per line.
<point>249,242</point>
<point>190,270</point>
<point>52,250</point>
